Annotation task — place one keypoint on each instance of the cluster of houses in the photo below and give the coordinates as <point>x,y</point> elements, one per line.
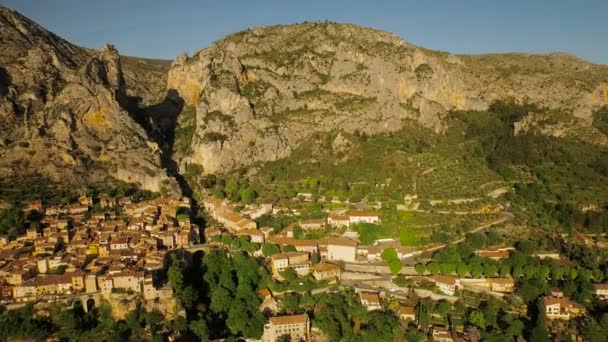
<point>112,245</point>
<point>339,248</point>
<point>559,307</point>
<point>300,262</point>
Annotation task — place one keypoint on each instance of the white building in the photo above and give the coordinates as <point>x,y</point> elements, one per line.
<point>296,326</point>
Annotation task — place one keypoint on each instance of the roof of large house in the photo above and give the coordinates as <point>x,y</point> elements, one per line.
<point>313,221</point>
<point>284,241</point>
<point>339,241</point>
<point>445,279</point>
<point>406,310</point>
<point>494,254</point>
<point>250,231</point>
<point>245,222</point>
<point>550,300</point>
<point>370,297</point>
<point>265,292</point>
<point>337,217</point>
<point>600,286</point>
<point>291,319</point>
<point>362,214</point>
<point>325,266</point>
<point>503,281</point>
<point>232,216</point>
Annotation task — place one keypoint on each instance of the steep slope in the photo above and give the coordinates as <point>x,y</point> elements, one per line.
<point>257,95</point>
<point>62,110</point>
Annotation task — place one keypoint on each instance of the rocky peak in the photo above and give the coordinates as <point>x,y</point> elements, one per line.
<point>64,111</point>
<point>260,93</point>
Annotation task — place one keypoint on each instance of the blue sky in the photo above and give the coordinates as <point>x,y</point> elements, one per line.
<point>163,29</point>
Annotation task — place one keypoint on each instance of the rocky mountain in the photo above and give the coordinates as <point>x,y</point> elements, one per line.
<point>83,116</point>
<point>64,110</point>
<point>257,95</point>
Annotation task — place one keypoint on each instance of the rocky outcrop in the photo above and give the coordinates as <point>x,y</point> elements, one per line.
<point>63,112</point>
<point>260,93</point>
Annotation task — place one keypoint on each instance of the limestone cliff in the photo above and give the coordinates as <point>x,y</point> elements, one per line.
<point>258,94</point>
<point>62,112</point>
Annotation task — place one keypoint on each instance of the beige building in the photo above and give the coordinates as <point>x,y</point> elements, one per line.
<point>297,327</point>
<point>441,334</point>
<point>355,217</point>
<point>447,284</point>
<point>255,235</point>
<point>340,248</point>
<point>326,271</point>
<point>370,300</point>
<point>502,285</point>
<point>561,308</point>
<point>298,261</point>
<point>600,290</point>
<point>338,220</point>
<point>407,313</point>
<point>312,224</point>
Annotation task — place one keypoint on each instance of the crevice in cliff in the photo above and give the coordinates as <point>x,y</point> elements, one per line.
<point>160,121</point>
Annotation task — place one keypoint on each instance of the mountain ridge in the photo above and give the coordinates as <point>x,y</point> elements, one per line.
<point>64,112</point>
<point>294,78</point>
<point>81,115</point>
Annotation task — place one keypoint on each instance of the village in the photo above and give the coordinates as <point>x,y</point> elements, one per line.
<point>105,246</point>
<point>120,247</point>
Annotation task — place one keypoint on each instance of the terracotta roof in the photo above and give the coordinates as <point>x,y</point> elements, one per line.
<point>406,310</point>
<point>494,254</point>
<point>279,256</point>
<point>362,214</point>
<point>445,279</point>
<point>284,241</point>
<point>340,241</point>
<point>313,221</point>
<point>250,231</point>
<point>264,292</point>
<point>550,300</point>
<point>600,286</point>
<point>370,297</point>
<point>503,281</point>
<point>292,319</point>
<point>245,221</point>
<point>325,266</point>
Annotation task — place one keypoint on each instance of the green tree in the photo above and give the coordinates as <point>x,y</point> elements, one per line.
<point>290,303</point>
<point>505,270</point>
<point>433,267</point>
<point>476,270</point>
<point>395,266</point>
<point>269,249</point>
<point>462,269</point>
<point>176,277</point>
<point>248,195</point>
<point>289,248</point>
<point>489,270</point>
<point>232,188</point>
<point>199,328</point>
<point>297,232</point>
<point>477,318</point>
<point>420,268</point>
<point>443,308</point>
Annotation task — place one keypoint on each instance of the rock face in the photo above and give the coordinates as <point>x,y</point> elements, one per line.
<point>258,94</point>
<point>62,112</point>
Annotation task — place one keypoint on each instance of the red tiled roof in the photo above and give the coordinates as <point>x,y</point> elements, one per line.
<point>292,319</point>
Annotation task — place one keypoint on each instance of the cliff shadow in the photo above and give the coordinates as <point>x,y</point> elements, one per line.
<point>160,121</point>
